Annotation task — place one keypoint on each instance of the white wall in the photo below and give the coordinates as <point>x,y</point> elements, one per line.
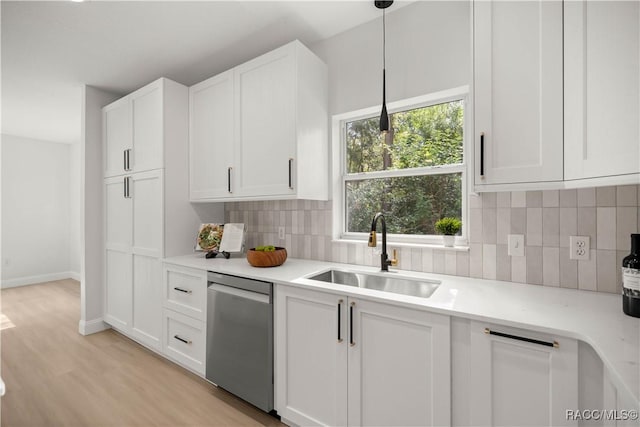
<point>91,217</point>
<point>428,50</point>
<point>74,210</point>
<point>35,211</point>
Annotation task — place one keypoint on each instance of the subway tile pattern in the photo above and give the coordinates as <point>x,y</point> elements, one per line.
<point>608,215</point>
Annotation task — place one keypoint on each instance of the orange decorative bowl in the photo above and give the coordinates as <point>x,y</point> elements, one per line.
<point>267,259</point>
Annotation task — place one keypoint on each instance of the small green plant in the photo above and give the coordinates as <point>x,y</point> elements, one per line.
<point>448,226</point>
<point>267,248</point>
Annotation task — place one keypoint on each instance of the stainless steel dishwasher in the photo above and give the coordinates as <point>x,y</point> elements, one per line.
<point>240,337</point>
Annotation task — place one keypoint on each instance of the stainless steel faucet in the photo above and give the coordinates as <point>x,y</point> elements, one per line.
<point>385,262</point>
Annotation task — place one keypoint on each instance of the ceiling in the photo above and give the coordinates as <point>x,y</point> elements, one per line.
<point>51,48</point>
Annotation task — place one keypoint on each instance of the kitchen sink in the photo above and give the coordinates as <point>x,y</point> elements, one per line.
<point>380,282</point>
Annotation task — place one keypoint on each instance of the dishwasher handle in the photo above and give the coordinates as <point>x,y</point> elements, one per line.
<point>239,292</point>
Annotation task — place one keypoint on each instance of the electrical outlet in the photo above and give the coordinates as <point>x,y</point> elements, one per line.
<point>516,244</point>
<point>281,233</point>
<point>579,247</point>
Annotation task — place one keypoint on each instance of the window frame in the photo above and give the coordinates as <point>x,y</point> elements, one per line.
<point>341,177</point>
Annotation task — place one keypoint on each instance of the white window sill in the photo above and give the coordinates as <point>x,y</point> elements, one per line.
<point>391,244</point>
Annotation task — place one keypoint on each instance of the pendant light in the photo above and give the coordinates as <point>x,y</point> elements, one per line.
<point>384,117</point>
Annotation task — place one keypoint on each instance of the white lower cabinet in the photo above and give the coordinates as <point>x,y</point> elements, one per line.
<point>184,316</point>
<point>520,378</point>
<point>133,249</point>
<point>184,340</point>
<point>146,303</point>
<point>399,366</point>
<point>311,359</point>
<point>343,360</point>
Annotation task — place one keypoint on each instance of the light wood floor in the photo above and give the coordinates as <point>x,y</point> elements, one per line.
<point>56,377</point>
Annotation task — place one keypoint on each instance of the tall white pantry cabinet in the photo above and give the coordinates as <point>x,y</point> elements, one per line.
<point>145,138</point>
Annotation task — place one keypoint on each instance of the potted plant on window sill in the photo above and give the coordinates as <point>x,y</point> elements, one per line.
<point>449,227</point>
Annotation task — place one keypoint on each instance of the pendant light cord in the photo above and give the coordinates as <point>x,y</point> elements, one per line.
<point>384,40</point>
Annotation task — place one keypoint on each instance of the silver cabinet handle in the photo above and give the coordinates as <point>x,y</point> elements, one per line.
<point>127,159</point>
<point>291,173</point>
<point>125,184</point>
<point>127,187</point>
<point>186,291</point>
<point>179,338</point>
<point>229,179</point>
<point>553,344</point>
<point>124,160</point>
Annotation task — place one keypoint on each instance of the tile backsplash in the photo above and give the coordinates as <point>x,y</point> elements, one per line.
<point>608,215</point>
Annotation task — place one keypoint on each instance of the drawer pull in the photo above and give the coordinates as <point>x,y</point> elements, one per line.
<point>186,291</point>
<point>553,344</point>
<point>179,338</point>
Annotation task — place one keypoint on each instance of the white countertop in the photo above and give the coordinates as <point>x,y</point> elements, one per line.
<point>594,318</point>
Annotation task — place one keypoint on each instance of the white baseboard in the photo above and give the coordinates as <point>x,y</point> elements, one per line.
<point>74,275</point>
<point>30,280</point>
<point>88,327</point>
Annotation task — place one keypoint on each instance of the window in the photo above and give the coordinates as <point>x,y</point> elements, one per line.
<point>415,174</point>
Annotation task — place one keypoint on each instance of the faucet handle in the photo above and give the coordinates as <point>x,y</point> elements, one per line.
<point>394,261</point>
<point>372,239</point>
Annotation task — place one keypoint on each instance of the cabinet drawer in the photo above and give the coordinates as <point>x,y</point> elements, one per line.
<point>184,340</point>
<point>185,291</point>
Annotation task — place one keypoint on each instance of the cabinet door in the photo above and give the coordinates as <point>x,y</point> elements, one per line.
<point>146,321</point>
<point>118,223</point>
<point>118,289</point>
<point>399,366</point>
<point>147,111</point>
<point>147,242</point>
<point>311,357</point>
<point>146,195</point>
<point>118,284</point>
<point>602,88</point>
<point>211,138</point>
<point>116,120</point>
<point>266,129</point>
<point>515,383</point>
<point>518,91</point>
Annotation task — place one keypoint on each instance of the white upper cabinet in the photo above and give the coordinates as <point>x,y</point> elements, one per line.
<point>517,92</point>
<point>268,137</point>
<point>602,89</point>
<point>135,128</point>
<point>266,124</point>
<point>117,137</point>
<point>147,127</point>
<point>211,139</point>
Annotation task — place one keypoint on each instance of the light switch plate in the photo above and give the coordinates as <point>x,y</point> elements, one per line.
<point>516,244</point>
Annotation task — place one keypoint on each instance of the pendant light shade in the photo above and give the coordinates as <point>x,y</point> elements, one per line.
<point>384,117</point>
